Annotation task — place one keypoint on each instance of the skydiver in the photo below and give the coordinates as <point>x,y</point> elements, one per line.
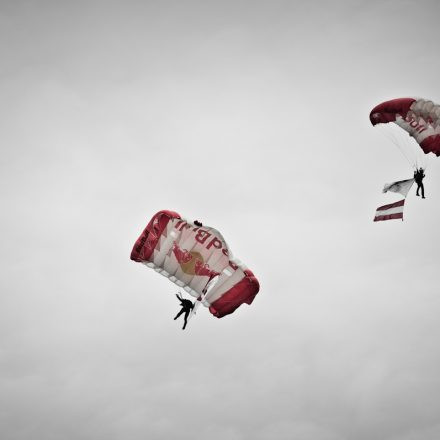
<point>187,306</point>
<point>418,177</point>
<point>197,223</point>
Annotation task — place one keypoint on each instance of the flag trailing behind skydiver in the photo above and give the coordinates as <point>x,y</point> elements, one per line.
<point>393,211</point>
<point>197,259</point>
<point>401,187</point>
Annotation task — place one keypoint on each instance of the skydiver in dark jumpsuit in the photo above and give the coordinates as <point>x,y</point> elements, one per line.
<point>187,306</point>
<point>418,177</point>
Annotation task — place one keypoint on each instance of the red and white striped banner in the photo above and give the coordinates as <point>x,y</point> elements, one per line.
<point>390,212</point>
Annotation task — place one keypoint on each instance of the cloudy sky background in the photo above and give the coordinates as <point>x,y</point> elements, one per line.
<point>251,116</point>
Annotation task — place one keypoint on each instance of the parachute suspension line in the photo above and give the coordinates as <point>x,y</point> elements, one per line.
<point>390,136</point>
<point>403,150</point>
<point>208,287</point>
<point>425,164</point>
<point>396,143</point>
<point>420,159</point>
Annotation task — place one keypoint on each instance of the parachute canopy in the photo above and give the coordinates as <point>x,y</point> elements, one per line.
<point>197,259</point>
<point>420,118</point>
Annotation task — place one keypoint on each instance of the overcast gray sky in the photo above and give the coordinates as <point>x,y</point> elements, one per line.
<point>251,116</point>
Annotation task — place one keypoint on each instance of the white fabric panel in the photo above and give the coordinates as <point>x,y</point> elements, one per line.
<point>395,210</point>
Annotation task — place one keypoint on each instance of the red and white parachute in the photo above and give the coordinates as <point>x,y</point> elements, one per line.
<point>419,118</point>
<point>197,259</point>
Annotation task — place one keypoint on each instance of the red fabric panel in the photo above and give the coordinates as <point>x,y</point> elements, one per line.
<point>243,292</point>
<point>145,244</point>
<point>431,145</point>
<point>391,205</point>
<point>387,111</point>
<point>388,217</point>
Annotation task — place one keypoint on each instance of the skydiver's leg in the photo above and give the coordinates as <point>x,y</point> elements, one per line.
<point>418,187</point>
<point>185,319</point>
<point>181,311</point>
<point>423,190</point>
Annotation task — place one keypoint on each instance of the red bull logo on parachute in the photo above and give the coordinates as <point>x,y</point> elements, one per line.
<point>192,263</point>
<point>204,237</point>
